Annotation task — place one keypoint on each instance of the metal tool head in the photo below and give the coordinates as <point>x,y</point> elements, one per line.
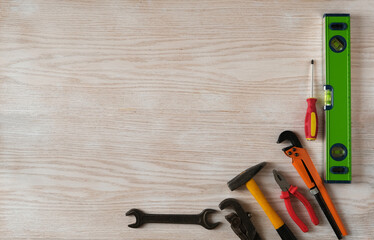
<point>290,136</point>
<point>282,182</point>
<point>240,220</point>
<point>232,203</point>
<point>245,176</point>
<point>237,226</point>
<point>205,219</point>
<point>234,219</point>
<point>138,217</point>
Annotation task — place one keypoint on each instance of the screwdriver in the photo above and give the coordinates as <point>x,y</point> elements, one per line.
<point>311,119</point>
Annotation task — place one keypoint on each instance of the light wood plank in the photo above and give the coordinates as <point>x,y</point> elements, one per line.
<point>111,105</point>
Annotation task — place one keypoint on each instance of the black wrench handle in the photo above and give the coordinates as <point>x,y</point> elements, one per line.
<point>326,211</point>
<point>199,219</point>
<point>172,218</point>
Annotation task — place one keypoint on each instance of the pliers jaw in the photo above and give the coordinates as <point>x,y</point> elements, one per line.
<point>282,182</point>
<point>290,136</point>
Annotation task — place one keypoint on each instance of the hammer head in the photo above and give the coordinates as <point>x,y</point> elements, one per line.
<point>245,176</point>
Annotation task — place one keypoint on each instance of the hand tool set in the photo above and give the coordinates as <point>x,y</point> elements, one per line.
<point>338,153</point>
<point>246,177</point>
<point>308,172</point>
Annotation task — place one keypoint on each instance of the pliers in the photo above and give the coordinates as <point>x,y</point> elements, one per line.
<point>286,190</point>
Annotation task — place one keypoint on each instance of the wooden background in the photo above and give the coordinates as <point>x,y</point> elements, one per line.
<point>112,105</point>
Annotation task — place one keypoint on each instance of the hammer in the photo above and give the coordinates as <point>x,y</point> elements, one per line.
<point>246,177</point>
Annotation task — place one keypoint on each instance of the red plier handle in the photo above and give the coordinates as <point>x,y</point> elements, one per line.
<point>308,206</point>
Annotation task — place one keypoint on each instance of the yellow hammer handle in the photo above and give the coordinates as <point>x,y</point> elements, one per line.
<point>259,196</point>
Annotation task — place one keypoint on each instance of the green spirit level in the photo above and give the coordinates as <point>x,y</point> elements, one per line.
<point>337,74</point>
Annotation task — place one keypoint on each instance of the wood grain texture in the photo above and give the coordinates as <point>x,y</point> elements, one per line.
<point>111,105</point>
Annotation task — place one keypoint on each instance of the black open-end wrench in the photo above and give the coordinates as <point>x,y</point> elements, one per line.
<point>199,219</point>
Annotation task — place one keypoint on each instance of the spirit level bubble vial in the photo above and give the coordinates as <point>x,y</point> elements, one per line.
<point>337,75</point>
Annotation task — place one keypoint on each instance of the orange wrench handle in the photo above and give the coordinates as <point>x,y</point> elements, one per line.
<point>301,161</point>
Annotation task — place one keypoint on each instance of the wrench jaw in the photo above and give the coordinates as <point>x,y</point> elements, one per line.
<point>240,220</point>
<point>204,219</point>
<point>138,214</point>
<point>237,226</point>
<point>234,204</point>
<point>230,202</point>
<point>233,219</point>
<point>291,137</point>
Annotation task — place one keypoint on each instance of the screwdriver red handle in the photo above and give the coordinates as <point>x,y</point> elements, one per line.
<point>311,120</point>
